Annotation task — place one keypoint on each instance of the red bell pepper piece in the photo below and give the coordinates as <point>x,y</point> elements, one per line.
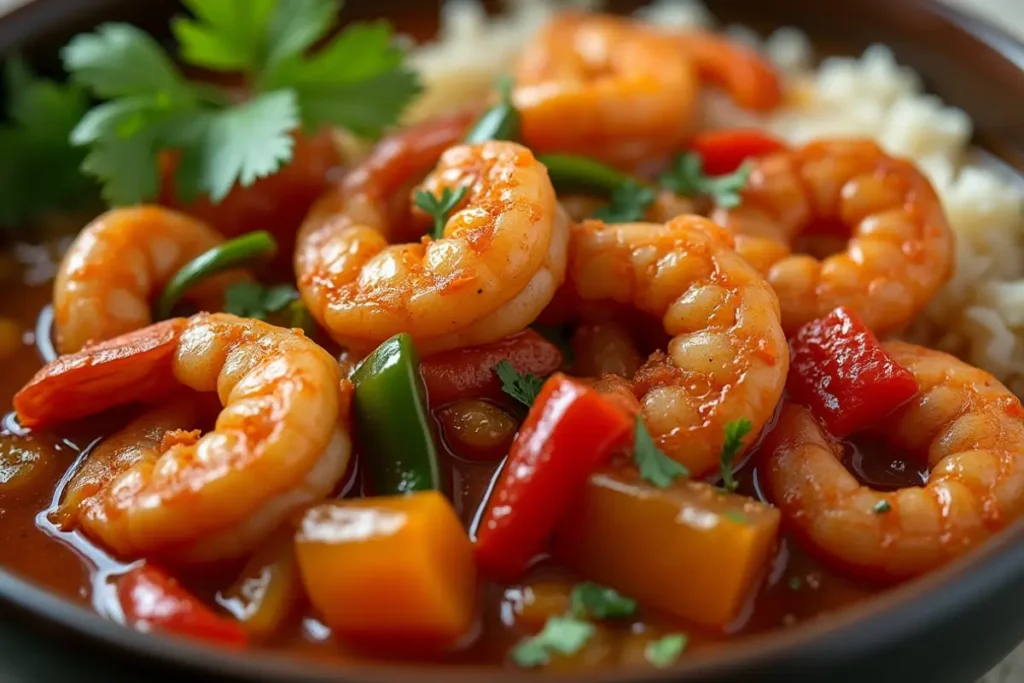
<point>842,373</point>
<point>152,599</point>
<point>724,151</point>
<point>469,373</point>
<point>571,430</point>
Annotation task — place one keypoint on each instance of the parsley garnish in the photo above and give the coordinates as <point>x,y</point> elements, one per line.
<point>665,651</point>
<point>600,602</point>
<point>654,466</point>
<point>439,208</point>
<point>737,517</point>
<point>356,81</point>
<point>734,433</point>
<point>523,388</point>
<point>562,635</point>
<point>687,178</point>
<point>38,168</point>
<point>882,507</point>
<point>253,300</point>
<point>629,203</point>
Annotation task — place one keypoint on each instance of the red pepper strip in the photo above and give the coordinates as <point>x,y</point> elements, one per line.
<point>571,430</point>
<point>469,373</point>
<point>152,599</point>
<point>843,374</point>
<point>723,151</point>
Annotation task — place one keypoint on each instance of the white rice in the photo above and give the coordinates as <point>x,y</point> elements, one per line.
<point>979,315</point>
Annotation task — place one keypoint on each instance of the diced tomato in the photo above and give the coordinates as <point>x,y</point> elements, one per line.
<point>469,373</point>
<point>845,376</point>
<point>724,151</point>
<point>150,598</point>
<point>571,430</point>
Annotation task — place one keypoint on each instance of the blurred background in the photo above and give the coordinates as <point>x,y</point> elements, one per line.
<point>1009,15</point>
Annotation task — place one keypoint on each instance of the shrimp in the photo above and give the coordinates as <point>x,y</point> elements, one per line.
<point>605,86</point>
<point>497,265</point>
<point>900,251</point>
<point>118,264</point>
<point>281,440</point>
<point>727,358</point>
<point>746,76</point>
<point>963,423</point>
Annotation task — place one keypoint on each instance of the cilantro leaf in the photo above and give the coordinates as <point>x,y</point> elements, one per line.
<point>297,24</point>
<point>629,203</point>
<point>34,146</point>
<point>600,602</point>
<point>664,652</point>
<point>523,388</point>
<point>253,300</point>
<point>655,467</point>
<point>121,60</point>
<point>439,208</point>
<point>561,635</point>
<point>734,433</point>
<point>128,169</point>
<point>226,35</point>
<point>222,143</point>
<point>687,178</point>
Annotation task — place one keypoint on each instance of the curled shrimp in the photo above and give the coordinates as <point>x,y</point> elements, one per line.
<point>727,358</point>
<point>746,76</point>
<point>605,86</point>
<point>500,259</point>
<point>118,264</point>
<point>963,423</point>
<point>900,248</point>
<point>281,440</point>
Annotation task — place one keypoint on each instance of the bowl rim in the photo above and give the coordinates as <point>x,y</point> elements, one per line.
<point>840,636</point>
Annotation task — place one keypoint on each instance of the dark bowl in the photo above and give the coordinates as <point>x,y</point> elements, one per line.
<point>953,625</point>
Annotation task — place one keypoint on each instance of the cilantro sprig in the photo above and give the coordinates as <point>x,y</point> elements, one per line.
<point>254,300</point>
<point>561,635</point>
<point>34,146</point>
<point>686,177</point>
<point>439,208</point>
<point>599,602</point>
<point>356,81</point>
<point>628,203</point>
<point>734,433</point>
<point>522,387</point>
<point>654,466</point>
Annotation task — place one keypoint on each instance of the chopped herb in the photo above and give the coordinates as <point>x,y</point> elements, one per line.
<point>882,507</point>
<point>654,466</point>
<point>503,121</point>
<point>629,203</point>
<point>665,651</point>
<point>561,635</point>
<point>600,602</point>
<point>795,583</point>
<point>523,388</point>
<point>34,143</point>
<point>687,178</point>
<point>253,300</point>
<point>355,81</point>
<point>734,433</point>
<point>737,517</point>
<point>439,208</point>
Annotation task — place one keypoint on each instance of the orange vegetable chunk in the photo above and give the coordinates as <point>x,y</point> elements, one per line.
<point>387,570</point>
<point>267,592</point>
<point>689,549</point>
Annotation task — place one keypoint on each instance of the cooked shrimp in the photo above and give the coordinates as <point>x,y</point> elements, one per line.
<point>900,251</point>
<point>727,358</point>
<point>499,262</point>
<point>605,86</point>
<point>118,264</point>
<point>281,440</point>
<point>968,428</point>
<point>749,79</point>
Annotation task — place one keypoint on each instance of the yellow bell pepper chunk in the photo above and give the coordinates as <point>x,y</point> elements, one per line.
<point>688,549</point>
<point>389,570</point>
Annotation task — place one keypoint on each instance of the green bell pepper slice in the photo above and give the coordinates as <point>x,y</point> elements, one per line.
<point>392,424</point>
